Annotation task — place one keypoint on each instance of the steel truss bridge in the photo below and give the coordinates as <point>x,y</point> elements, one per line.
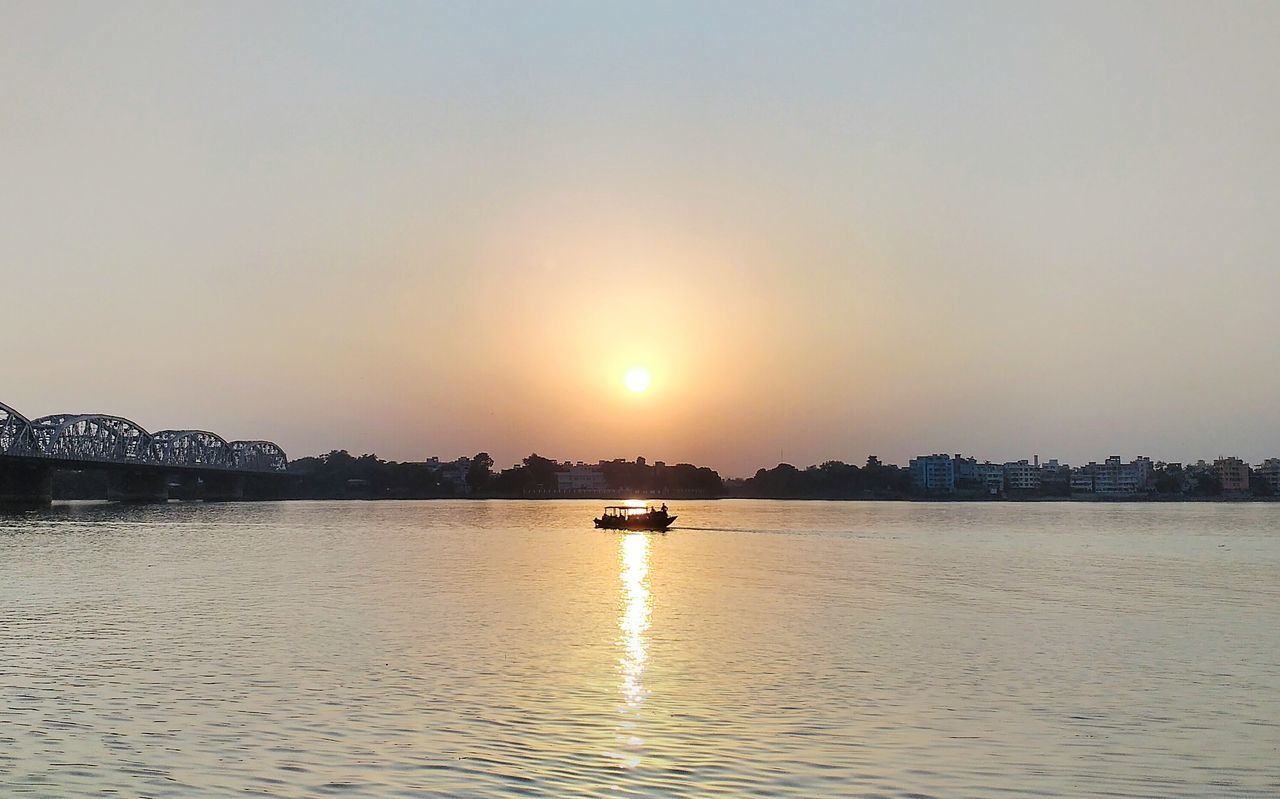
<point>139,463</point>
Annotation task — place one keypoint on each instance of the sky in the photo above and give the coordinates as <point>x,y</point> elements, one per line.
<point>828,230</point>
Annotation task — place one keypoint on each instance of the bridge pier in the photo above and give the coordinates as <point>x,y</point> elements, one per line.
<point>257,487</point>
<point>28,486</point>
<point>138,487</point>
<point>223,487</point>
<point>185,486</point>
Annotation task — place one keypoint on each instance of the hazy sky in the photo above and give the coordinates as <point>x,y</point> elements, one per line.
<point>828,229</point>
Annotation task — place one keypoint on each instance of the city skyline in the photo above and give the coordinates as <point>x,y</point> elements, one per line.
<point>825,235</point>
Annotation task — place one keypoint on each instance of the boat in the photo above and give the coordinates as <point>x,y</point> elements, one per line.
<point>629,517</point>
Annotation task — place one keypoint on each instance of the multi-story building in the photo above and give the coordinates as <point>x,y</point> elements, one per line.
<point>1081,481</point>
<point>1021,476</point>
<point>1233,473</point>
<point>1269,472</point>
<point>580,477</point>
<point>991,476</point>
<point>1113,477</point>
<point>987,477</point>
<point>933,474</point>
<point>452,473</point>
<point>1055,477</point>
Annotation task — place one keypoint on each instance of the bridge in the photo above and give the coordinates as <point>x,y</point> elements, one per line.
<point>140,466</point>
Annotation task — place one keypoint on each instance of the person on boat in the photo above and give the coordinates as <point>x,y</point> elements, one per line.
<point>664,509</point>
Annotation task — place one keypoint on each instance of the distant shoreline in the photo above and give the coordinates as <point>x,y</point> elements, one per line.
<point>1127,500</point>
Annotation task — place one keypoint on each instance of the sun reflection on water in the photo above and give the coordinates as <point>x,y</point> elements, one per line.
<point>634,623</point>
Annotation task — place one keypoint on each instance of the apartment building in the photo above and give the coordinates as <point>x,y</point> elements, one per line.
<point>1022,476</point>
<point>581,477</point>
<point>1113,476</point>
<point>934,474</point>
<point>1269,472</point>
<point>1233,473</point>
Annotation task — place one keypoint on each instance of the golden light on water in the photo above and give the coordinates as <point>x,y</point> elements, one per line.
<point>634,624</point>
<point>637,379</point>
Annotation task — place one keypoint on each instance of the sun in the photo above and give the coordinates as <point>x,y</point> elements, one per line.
<point>637,379</point>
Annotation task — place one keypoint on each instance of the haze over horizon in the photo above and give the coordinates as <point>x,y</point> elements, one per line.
<point>866,228</point>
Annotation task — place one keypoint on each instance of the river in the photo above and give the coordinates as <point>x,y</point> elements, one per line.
<point>761,649</point>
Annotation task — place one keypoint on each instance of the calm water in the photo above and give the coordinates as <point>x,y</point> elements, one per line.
<point>767,649</point>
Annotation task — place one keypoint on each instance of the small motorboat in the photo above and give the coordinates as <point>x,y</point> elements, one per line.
<point>628,517</point>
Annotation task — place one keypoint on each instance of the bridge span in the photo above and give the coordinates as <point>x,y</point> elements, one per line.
<point>140,466</point>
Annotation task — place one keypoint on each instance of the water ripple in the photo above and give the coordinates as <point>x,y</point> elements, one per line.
<point>768,650</point>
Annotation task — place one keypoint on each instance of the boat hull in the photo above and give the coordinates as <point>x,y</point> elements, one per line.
<point>655,522</point>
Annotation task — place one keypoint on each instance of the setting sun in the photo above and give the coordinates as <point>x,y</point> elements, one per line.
<point>637,379</point>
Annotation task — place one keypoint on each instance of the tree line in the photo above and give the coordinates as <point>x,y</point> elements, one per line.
<point>829,480</point>
<point>339,474</point>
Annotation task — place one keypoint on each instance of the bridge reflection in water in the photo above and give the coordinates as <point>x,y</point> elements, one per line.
<point>636,607</point>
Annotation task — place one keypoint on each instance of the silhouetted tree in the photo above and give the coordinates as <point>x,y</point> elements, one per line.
<point>1259,486</point>
<point>1169,478</point>
<point>539,472</point>
<point>480,471</point>
<point>339,474</point>
<point>1204,483</point>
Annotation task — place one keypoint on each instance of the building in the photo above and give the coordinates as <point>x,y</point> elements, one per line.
<point>1233,473</point>
<point>1055,478</point>
<point>1052,469</point>
<point>581,478</point>
<point>1081,481</point>
<point>453,474</point>
<point>991,476</point>
<point>986,477</point>
<point>1113,477</point>
<point>1269,472</point>
<point>933,474</point>
<point>1022,476</point>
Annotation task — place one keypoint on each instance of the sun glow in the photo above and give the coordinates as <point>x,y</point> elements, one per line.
<point>637,379</point>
